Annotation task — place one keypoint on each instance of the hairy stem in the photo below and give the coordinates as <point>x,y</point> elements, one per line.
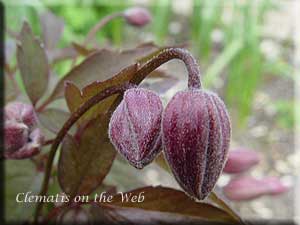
<point>158,59</point>
<point>169,54</point>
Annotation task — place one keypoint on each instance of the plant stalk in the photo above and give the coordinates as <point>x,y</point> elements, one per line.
<point>158,59</point>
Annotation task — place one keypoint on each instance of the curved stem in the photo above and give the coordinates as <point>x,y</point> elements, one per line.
<point>61,134</point>
<point>91,34</point>
<point>169,54</point>
<point>160,58</point>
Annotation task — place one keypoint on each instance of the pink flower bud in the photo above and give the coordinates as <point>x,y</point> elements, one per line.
<point>240,160</point>
<point>15,135</point>
<point>135,126</point>
<point>31,148</point>
<point>20,112</point>
<point>21,138</point>
<point>247,188</point>
<point>196,134</point>
<point>137,16</point>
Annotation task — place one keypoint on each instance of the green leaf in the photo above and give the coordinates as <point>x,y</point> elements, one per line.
<point>166,201</point>
<point>33,64</point>
<point>53,118</point>
<point>20,177</point>
<point>85,160</point>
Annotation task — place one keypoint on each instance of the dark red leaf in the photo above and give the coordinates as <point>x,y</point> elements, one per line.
<point>168,202</point>
<point>84,162</point>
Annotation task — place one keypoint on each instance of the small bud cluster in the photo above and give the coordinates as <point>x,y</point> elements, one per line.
<point>21,137</point>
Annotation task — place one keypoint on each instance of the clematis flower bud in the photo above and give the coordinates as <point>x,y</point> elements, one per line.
<point>247,188</point>
<point>135,126</point>
<point>16,135</point>
<point>240,160</point>
<point>22,113</point>
<point>196,134</point>
<point>137,16</point>
<point>21,138</point>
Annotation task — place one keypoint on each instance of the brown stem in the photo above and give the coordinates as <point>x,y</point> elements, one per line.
<point>169,54</point>
<point>99,25</point>
<point>61,134</point>
<point>159,59</point>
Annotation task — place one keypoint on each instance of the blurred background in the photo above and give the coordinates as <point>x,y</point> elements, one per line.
<point>246,54</point>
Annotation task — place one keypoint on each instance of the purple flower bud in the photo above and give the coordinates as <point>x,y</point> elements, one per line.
<point>22,113</point>
<point>196,134</point>
<point>22,139</point>
<point>135,126</point>
<point>247,188</point>
<point>137,16</point>
<point>16,135</point>
<point>241,160</point>
<point>31,148</point>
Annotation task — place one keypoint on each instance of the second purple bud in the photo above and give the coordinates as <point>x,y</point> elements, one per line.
<point>135,126</point>
<point>196,135</point>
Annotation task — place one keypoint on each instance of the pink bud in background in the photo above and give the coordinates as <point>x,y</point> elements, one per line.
<point>135,126</point>
<point>137,16</point>
<point>31,148</point>
<point>240,160</point>
<point>22,113</point>
<point>247,188</point>
<point>16,135</point>
<point>21,138</point>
